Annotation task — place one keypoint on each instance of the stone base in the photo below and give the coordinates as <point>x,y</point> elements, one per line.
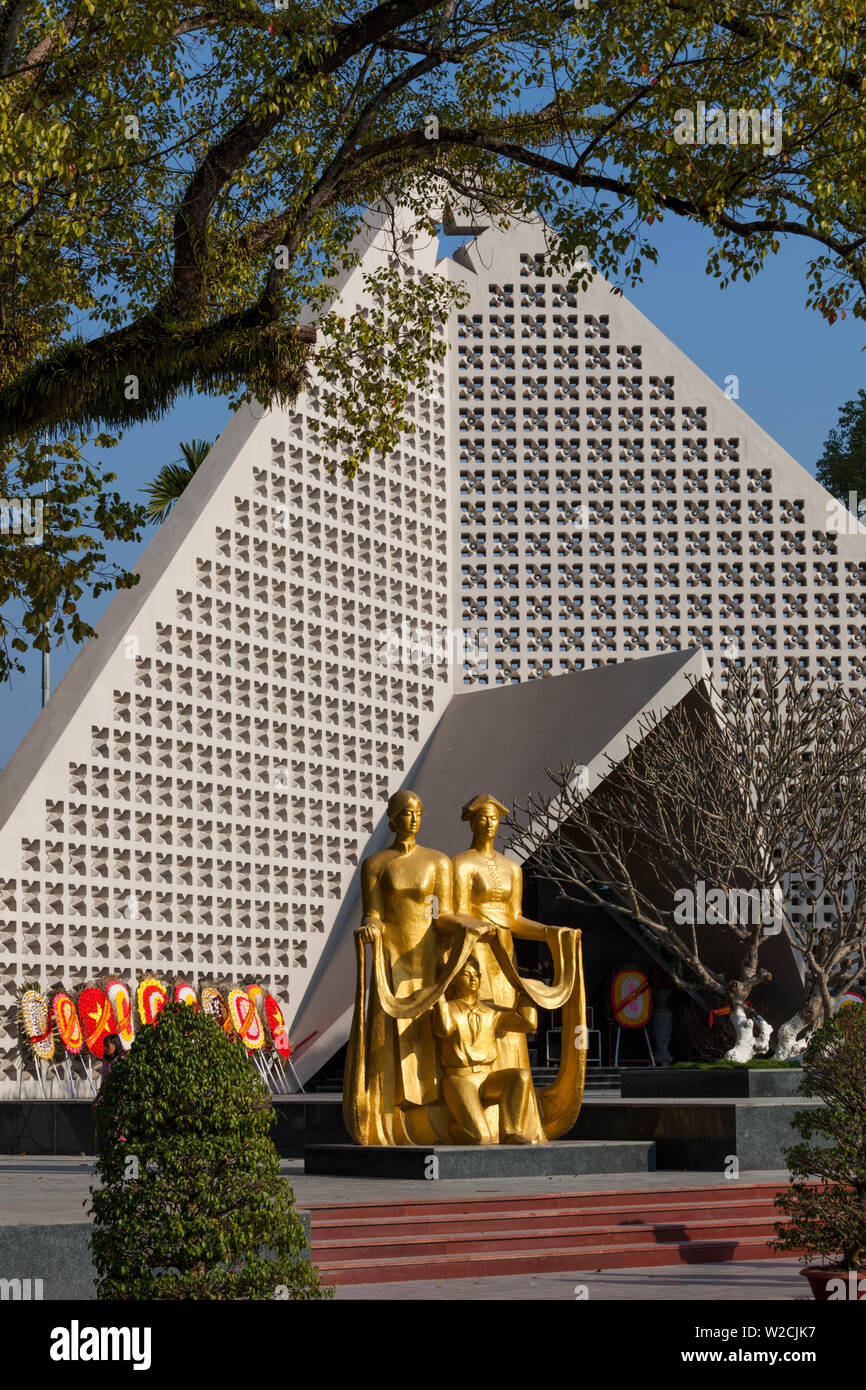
<point>47,1127</point>
<point>50,1127</point>
<point>554,1160</point>
<point>713,1083</point>
<point>698,1135</point>
<point>60,1255</point>
<point>684,1132</point>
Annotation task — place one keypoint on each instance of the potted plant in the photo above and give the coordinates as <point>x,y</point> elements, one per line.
<point>826,1201</point>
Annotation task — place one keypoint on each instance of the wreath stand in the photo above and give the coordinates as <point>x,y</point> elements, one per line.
<point>631,1006</point>
<point>648,1044</point>
<point>297,1080</point>
<point>22,1070</point>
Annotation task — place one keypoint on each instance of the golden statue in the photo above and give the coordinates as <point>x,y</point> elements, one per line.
<point>401,1086</point>
<point>472,1080</point>
<point>488,886</point>
<point>392,1070</point>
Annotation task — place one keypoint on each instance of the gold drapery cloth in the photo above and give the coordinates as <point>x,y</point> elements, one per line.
<point>559,1104</point>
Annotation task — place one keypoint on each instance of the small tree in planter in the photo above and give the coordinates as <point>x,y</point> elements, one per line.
<point>830,1219</point>
<point>191,1202</point>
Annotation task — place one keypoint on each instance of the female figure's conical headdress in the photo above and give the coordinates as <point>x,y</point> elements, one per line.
<point>484,799</point>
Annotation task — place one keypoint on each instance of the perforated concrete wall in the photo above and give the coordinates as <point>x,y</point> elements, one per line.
<point>194,798</point>
<point>614,501</point>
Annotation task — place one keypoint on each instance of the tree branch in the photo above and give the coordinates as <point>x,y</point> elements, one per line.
<point>11,20</point>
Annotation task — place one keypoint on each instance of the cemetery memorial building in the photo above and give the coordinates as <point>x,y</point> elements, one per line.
<point>577,502</point>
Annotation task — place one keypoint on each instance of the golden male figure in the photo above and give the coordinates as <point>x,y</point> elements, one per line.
<point>472,1079</point>
<point>392,1091</point>
<point>488,886</point>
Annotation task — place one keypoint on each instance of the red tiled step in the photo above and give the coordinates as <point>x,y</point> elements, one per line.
<point>672,1212</point>
<point>577,1238</point>
<point>375,1211</point>
<point>382,1242</point>
<point>638,1256</point>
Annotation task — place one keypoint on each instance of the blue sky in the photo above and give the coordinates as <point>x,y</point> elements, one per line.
<point>794,370</point>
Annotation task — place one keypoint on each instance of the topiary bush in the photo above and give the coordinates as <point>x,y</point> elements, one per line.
<point>191,1203</point>
<point>830,1219</point>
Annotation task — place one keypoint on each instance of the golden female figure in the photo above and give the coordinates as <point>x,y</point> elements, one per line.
<point>488,886</point>
<point>411,1074</point>
<point>392,1084</point>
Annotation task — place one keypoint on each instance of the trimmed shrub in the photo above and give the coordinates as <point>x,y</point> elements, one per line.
<point>191,1203</point>
<point>830,1219</point>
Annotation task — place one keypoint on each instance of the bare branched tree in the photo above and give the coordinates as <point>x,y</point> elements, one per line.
<point>735,824</point>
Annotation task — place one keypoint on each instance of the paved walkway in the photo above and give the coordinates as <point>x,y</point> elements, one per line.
<point>50,1191</point>
<point>753,1281</point>
<point>44,1191</point>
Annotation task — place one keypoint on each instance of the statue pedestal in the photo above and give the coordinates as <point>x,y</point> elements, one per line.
<point>564,1158</point>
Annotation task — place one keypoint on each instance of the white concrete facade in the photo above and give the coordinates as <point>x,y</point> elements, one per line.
<point>197,795</point>
<point>614,501</point>
<point>194,798</point>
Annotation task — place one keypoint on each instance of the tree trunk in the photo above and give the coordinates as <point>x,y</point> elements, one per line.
<point>753,1036</point>
<point>763,1034</point>
<point>744,1048</point>
<point>789,1044</point>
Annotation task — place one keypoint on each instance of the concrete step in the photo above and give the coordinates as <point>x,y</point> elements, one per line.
<point>487,1235</point>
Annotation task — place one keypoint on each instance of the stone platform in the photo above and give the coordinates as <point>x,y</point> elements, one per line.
<point>47,1127</point>
<point>467,1161</point>
<point>690,1133</point>
<point>370,1231</point>
<point>698,1134</point>
<point>711,1083</point>
<point>64,1128</point>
